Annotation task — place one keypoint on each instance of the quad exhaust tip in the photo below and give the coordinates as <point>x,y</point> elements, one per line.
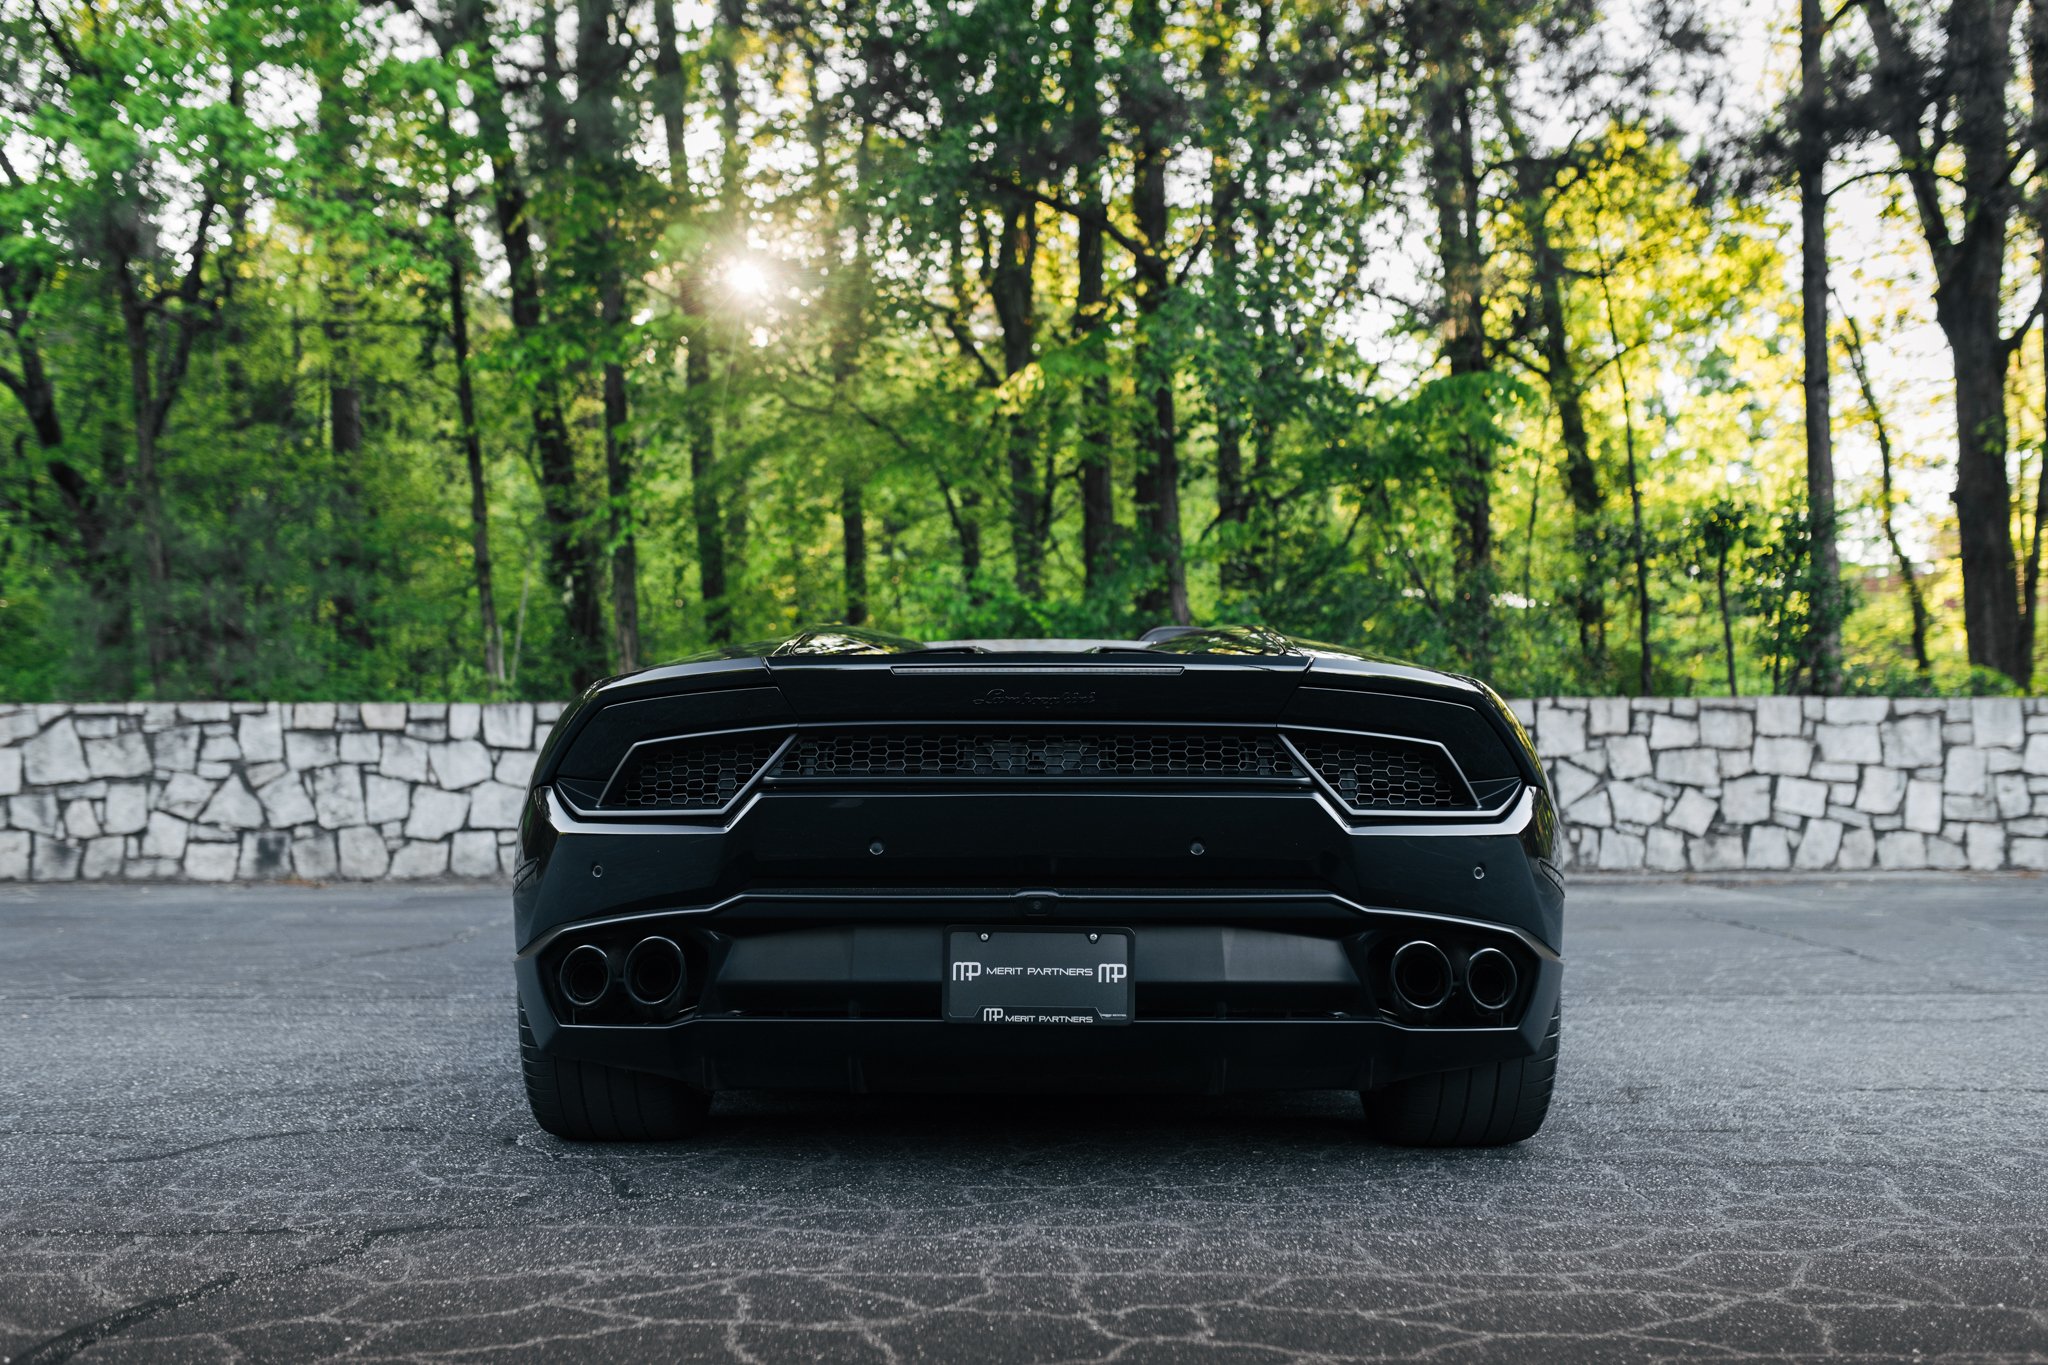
<point>1491,979</point>
<point>1422,975</point>
<point>585,975</point>
<point>655,973</point>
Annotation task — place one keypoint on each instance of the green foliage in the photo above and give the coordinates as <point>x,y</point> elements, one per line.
<point>850,303</point>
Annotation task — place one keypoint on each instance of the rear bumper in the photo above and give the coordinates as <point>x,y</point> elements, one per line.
<point>1233,993</point>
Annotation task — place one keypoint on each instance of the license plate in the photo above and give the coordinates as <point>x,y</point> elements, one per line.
<point>1038,976</point>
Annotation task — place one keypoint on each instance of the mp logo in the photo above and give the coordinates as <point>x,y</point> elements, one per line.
<point>1110,972</point>
<point>966,971</point>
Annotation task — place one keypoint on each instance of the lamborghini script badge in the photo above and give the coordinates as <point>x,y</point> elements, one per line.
<point>1003,696</point>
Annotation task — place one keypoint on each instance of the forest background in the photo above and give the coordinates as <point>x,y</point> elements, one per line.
<point>482,348</point>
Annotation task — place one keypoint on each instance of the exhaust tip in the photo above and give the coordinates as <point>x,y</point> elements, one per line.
<point>585,975</point>
<point>1422,975</point>
<point>654,972</point>
<point>1491,979</point>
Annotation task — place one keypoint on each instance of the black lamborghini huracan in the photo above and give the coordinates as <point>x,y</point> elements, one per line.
<point>1205,860</point>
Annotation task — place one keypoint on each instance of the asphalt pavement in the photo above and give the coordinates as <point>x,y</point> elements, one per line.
<point>1800,1119</point>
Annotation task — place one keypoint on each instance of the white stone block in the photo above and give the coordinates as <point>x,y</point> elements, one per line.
<point>474,854</point>
<point>285,802</point>
<point>10,771</point>
<point>14,847</point>
<point>1859,851</point>
<point>1984,846</point>
<point>1856,710</point>
<point>261,736</point>
<point>79,820</point>
<point>497,806</point>
<point>103,858</point>
<point>338,796</point>
<point>1590,812</point>
<point>1968,808</point>
<point>1819,845</point>
<point>1672,732</point>
<point>1693,813</point>
<point>460,763</point>
<point>1605,716</point>
<point>1945,854</point>
<point>385,799</point>
<point>37,812</point>
<point>383,715</point>
<point>219,749</point>
<point>313,715</point>
<point>1778,716</point>
<point>515,768</point>
<point>1569,782</point>
<point>1883,789</point>
<point>1770,849</point>
<point>54,860</point>
<point>1689,767</point>
<point>1559,731</point>
<point>464,719</point>
<point>1783,757</point>
<point>2031,853</point>
<point>420,860</point>
<point>1716,853</point>
<point>212,862</point>
<point>361,747</point>
<point>436,814</point>
<point>2009,790</point>
<point>176,750</point>
<point>1912,741</point>
<point>1724,728</point>
<point>403,758</point>
<point>1636,805</point>
<point>165,836</point>
<point>1902,849</point>
<point>1923,806</point>
<point>1835,772</point>
<point>234,806</point>
<point>307,749</point>
<point>1620,852</point>
<point>362,855</point>
<point>2034,760</point>
<point>266,856</point>
<point>1664,850</point>
<point>1999,722</point>
<point>1965,772</point>
<point>313,857</point>
<point>54,756</point>
<point>127,808</point>
<point>1849,743</point>
<point>1746,801</point>
<point>1799,796</point>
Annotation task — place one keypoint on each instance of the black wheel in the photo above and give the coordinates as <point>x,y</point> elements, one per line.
<point>590,1102</point>
<point>1480,1106</point>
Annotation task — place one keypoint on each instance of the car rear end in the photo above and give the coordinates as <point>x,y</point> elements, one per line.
<point>1213,862</point>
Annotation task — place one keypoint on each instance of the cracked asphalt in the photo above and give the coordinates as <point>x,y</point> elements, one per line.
<point>1796,1119</point>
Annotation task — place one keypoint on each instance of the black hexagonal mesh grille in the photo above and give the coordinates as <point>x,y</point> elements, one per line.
<point>1053,752</point>
<point>1372,773</point>
<point>697,773</point>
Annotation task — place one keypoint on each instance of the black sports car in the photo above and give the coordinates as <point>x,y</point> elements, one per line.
<point>1205,860</point>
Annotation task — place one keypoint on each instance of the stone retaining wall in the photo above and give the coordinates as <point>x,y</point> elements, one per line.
<point>217,791</point>
<point>251,791</point>
<point>1668,784</point>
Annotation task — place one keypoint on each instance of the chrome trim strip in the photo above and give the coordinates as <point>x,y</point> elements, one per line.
<point>1528,940</point>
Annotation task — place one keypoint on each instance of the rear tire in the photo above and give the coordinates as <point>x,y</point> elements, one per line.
<point>1480,1106</point>
<point>591,1102</point>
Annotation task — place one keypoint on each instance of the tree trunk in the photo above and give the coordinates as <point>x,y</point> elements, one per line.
<point>1098,495</point>
<point>573,555</point>
<point>1010,290</point>
<point>1453,191</point>
<point>854,542</point>
<point>1916,600</point>
<point>473,453</point>
<point>1823,645</point>
<point>1535,186</point>
<point>1226,398</point>
<point>1156,489</point>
